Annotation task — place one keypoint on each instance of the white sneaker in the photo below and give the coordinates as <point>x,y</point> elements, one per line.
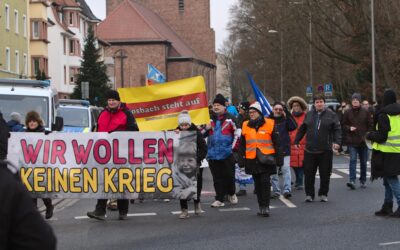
<point>217,204</point>
<point>233,199</point>
<point>184,214</point>
<point>323,198</point>
<point>308,199</point>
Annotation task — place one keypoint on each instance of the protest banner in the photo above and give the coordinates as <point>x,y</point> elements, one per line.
<point>157,107</point>
<point>120,165</point>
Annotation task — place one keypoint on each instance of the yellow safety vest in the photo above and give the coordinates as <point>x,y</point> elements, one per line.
<point>392,144</point>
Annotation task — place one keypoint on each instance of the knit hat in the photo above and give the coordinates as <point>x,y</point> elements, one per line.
<point>33,116</point>
<point>15,116</point>
<point>356,96</point>
<point>220,99</point>
<point>256,106</point>
<point>389,97</point>
<point>184,118</point>
<point>113,94</point>
<point>245,106</point>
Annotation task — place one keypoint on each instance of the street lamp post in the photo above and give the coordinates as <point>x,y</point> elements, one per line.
<point>281,55</point>
<point>373,51</point>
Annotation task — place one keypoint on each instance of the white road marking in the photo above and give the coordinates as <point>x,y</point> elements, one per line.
<point>346,171</point>
<point>129,215</point>
<point>234,209</point>
<point>287,202</point>
<point>190,212</point>
<point>389,243</point>
<point>333,176</point>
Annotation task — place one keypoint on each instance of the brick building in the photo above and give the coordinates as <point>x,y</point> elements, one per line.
<point>173,35</point>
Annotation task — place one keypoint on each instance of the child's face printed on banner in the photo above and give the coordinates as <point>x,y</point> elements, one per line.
<point>187,164</point>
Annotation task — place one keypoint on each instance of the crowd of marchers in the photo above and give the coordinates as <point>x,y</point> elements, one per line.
<point>263,146</point>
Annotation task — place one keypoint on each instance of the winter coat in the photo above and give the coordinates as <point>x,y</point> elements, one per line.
<point>322,130</point>
<point>15,126</point>
<point>283,126</point>
<point>242,118</point>
<point>384,164</point>
<point>201,144</point>
<point>21,227</point>
<point>222,137</point>
<point>4,134</point>
<point>116,120</point>
<point>253,166</point>
<point>232,110</point>
<point>362,120</point>
<point>39,129</point>
<point>297,154</point>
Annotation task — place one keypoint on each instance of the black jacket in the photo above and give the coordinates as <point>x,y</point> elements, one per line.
<point>21,225</point>
<point>4,134</point>
<point>362,120</point>
<point>322,130</point>
<point>201,144</point>
<point>384,164</point>
<point>253,166</point>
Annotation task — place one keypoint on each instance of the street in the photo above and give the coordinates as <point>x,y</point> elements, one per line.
<point>347,221</point>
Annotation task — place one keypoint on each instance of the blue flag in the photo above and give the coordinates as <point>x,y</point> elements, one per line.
<point>154,75</point>
<point>265,106</point>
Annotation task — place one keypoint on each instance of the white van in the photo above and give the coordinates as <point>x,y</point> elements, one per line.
<point>22,96</point>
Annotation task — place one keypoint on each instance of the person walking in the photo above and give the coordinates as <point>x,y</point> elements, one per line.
<point>34,123</point>
<point>323,132</point>
<point>260,140</point>
<point>284,123</point>
<point>185,124</point>
<point>242,117</point>
<point>340,113</point>
<point>386,153</point>
<point>223,136</point>
<point>298,106</point>
<point>356,123</point>
<point>14,124</point>
<point>115,117</point>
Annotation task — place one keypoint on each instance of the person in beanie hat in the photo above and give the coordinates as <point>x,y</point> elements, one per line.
<point>298,107</point>
<point>184,124</point>
<point>223,135</point>
<point>284,123</point>
<point>386,153</point>
<point>115,117</point>
<point>14,124</point>
<point>259,137</point>
<point>356,123</point>
<point>242,117</point>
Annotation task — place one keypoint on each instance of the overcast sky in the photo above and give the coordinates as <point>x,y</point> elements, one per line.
<point>219,16</point>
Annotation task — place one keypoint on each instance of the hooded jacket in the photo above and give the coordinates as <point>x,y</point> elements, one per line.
<point>116,120</point>
<point>322,130</point>
<point>384,164</point>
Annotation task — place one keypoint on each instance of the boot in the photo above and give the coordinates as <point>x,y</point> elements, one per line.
<point>197,208</point>
<point>184,214</point>
<point>264,212</point>
<point>49,212</point>
<point>396,214</point>
<point>96,215</point>
<point>386,210</point>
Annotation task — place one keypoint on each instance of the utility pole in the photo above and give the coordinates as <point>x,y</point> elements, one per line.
<point>122,56</point>
<point>373,51</point>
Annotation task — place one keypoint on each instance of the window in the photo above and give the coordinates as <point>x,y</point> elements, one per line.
<point>25,25</point>
<point>39,65</point>
<point>71,18</point>
<point>16,17</point>
<point>65,45</point>
<point>73,74</point>
<point>25,64</point>
<point>35,30</point>
<point>8,59</point>
<point>17,62</point>
<point>65,75</point>
<point>181,5</point>
<point>36,65</point>
<point>7,17</point>
<point>72,46</point>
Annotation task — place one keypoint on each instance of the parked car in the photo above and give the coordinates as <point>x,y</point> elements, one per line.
<point>79,115</point>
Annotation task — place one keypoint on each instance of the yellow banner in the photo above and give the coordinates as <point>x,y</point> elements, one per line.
<point>157,107</point>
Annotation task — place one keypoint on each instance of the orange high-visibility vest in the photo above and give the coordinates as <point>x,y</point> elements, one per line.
<point>260,139</point>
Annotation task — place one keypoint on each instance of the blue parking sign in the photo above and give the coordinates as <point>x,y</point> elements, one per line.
<point>328,87</point>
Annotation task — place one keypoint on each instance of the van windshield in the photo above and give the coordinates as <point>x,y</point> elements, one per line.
<point>74,117</point>
<point>24,104</point>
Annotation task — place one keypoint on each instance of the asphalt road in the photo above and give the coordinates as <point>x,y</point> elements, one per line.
<point>345,222</point>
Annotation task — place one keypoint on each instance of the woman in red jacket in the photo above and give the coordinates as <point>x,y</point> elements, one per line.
<point>298,107</point>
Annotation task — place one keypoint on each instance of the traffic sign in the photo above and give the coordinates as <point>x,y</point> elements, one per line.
<point>309,91</point>
<point>320,88</point>
<point>328,89</point>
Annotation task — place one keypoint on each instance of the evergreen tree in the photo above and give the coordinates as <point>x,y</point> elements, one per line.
<point>93,71</point>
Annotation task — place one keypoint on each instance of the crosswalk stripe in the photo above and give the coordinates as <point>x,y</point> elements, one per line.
<point>129,215</point>
<point>347,172</point>
<point>287,202</point>
<point>190,212</point>
<point>333,176</point>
